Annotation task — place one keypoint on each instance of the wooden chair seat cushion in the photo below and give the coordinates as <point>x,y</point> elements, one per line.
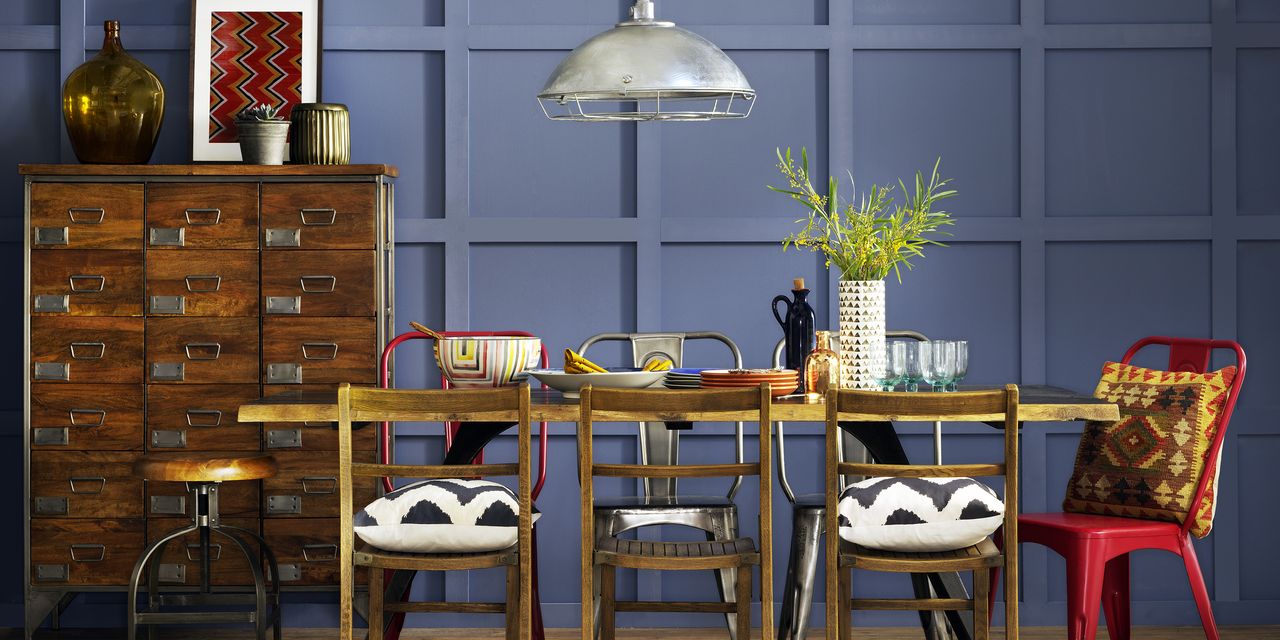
<point>177,467</point>
<point>369,556</point>
<point>650,554</point>
<point>983,555</point>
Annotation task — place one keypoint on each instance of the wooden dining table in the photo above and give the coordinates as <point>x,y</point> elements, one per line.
<point>1037,404</point>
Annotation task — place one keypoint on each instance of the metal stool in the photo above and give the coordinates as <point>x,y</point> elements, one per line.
<point>203,475</point>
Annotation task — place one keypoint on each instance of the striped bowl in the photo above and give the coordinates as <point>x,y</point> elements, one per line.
<point>477,363</point>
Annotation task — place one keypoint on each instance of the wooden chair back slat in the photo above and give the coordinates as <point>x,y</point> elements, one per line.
<point>675,470</point>
<point>370,470</point>
<point>369,402</point>
<point>905,406</point>
<point>920,471</point>
<point>701,401</point>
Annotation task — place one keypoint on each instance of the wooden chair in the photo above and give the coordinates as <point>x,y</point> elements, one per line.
<point>843,557</point>
<point>610,553</point>
<point>381,405</point>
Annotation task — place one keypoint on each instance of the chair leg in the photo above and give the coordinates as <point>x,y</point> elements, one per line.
<point>539,631</point>
<point>802,571</point>
<point>376,593</point>
<point>513,602</point>
<point>742,624</point>
<point>981,605</point>
<point>1084,593</point>
<point>1115,597</point>
<point>845,613</point>
<point>724,526</point>
<point>131,600</point>
<point>608,602</point>
<point>1198,589</point>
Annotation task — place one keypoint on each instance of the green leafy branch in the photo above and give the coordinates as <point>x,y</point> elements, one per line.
<point>873,236</point>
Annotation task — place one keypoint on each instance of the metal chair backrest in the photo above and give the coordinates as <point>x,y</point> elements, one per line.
<point>659,444</point>
<point>1194,355</point>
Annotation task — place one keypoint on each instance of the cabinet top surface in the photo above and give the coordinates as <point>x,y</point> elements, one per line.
<point>248,170</point>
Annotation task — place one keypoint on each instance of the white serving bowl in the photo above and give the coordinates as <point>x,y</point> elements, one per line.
<point>481,363</point>
<point>570,383</point>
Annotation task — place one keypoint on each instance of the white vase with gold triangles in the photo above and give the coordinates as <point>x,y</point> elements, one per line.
<point>861,334</point>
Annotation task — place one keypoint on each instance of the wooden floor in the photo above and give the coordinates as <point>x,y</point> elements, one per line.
<point>1028,633</point>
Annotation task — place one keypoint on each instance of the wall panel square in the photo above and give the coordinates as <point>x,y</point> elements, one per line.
<point>728,288</point>
<point>420,283</point>
<point>1257,130</point>
<point>1256,313</point>
<point>1101,297</point>
<point>134,12</point>
<point>1258,523</point>
<point>935,12</point>
<point>1125,11</point>
<point>32,128</point>
<point>720,168</point>
<point>30,12</point>
<point>524,165</point>
<point>563,293</point>
<point>546,12</point>
<point>910,107</point>
<point>398,13</point>
<point>396,100</point>
<point>174,70</point>
<point>1127,132</point>
<point>763,12</point>
<point>1257,11</point>
<point>966,291</point>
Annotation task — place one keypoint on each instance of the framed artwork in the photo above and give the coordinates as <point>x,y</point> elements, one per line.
<point>247,52</point>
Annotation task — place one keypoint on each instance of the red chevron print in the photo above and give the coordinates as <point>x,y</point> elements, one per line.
<point>256,57</point>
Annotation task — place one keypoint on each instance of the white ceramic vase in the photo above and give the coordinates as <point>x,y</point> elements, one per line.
<point>861,333</point>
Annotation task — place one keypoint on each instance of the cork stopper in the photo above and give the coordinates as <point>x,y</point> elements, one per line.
<point>797,284</point>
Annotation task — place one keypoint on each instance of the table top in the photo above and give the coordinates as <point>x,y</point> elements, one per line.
<point>1036,404</point>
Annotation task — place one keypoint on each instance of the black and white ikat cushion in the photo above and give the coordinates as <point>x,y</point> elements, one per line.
<point>918,514</point>
<point>442,516</point>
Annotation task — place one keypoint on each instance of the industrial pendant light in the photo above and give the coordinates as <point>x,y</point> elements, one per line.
<point>646,69</point>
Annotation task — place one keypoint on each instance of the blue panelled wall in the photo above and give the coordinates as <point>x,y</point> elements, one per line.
<point>1114,160</point>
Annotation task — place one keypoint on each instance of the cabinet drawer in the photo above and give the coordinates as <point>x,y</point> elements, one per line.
<point>202,283</point>
<point>306,486</point>
<point>307,551</point>
<point>85,484</point>
<point>202,215</point>
<point>86,416</point>
<point>99,350</point>
<point>173,499</point>
<point>314,436</point>
<point>85,552</point>
<point>319,216</point>
<point>202,350</point>
<point>319,283</point>
<point>328,350</point>
<point>86,216</point>
<point>180,563</point>
<point>200,417</point>
<point>87,283</point>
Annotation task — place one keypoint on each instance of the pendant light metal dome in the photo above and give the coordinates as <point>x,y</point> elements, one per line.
<point>646,69</point>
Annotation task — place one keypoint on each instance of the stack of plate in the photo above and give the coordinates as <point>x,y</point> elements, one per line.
<point>781,381</point>
<point>684,378</point>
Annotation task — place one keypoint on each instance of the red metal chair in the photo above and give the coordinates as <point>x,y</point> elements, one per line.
<point>396,624</point>
<point>1097,548</point>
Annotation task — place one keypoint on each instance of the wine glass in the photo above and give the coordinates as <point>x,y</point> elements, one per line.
<point>962,364</point>
<point>894,365</point>
<point>942,364</point>
<point>928,373</point>
<point>912,372</point>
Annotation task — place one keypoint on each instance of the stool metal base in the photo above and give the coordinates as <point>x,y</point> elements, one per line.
<point>205,521</point>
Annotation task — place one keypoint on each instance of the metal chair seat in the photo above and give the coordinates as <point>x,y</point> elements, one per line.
<point>811,501</point>
<point>664,503</point>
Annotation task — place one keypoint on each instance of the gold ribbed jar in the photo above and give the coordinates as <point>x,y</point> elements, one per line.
<point>320,134</point>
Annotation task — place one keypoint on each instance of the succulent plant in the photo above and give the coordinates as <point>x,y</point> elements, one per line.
<point>264,112</point>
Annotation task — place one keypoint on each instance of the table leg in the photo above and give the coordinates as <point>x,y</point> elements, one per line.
<point>882,441</point>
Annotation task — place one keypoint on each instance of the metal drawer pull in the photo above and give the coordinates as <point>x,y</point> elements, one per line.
<point>165,237</point>
<point>205,222</point>
<point>49,436</point>
<point>203,346</point>
<point>291,305</point>
<point>52,371</point>
<point>161,439</point>
<point>207,288</point>
<point>281,505</point>
<point>173,573</point>
<point>289,573</point>
<point>52,236</point>
<point>51,572</point>
<point>318,284</point>
<point>316,217</point>
<point>282,237</point>
<point>87,215</point>
<point>52,304</point>
<point>323,552</point>
<point>168,371</point>
<point>100,548</point>
<point>169,305</point>
<point>92,283</point>
<point>284,438</point>
<point>196,547</point>
<point>328,350</point>
<point>99,414</point>
<point>169,505</point>
<point>99,483</point>
<point>88,350</point>
<point>284,373</point>
<point>51,506</point>
<point>204,417</point>
<point>331,481</point>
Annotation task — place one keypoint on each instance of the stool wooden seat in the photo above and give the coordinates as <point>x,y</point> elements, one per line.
<point>188,468</point>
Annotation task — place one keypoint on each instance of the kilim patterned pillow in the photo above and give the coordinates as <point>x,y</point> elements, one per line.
<point>1148,464</point>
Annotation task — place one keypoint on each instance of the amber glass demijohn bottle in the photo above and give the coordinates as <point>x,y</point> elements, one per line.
<point>113,105</point>
<point>821,366</point>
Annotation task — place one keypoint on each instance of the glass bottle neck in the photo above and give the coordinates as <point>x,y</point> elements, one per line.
<point>111,39</point>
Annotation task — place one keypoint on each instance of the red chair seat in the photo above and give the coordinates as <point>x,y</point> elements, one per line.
<point>1035,526</point>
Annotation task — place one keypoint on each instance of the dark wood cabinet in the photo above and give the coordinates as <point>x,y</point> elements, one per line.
<point>160,299</point>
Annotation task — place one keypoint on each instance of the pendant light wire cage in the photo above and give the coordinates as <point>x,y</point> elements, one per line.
<point>674,106</point>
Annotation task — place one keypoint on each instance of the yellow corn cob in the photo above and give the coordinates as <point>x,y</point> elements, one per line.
<point>573,359</point>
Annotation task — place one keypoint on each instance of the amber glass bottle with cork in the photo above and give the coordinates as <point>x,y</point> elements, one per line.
<point>822,366</point>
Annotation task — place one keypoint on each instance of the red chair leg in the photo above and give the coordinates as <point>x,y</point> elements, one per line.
<point>1115,597</point>
<point>1198,589</point>
<point>1084,591</point>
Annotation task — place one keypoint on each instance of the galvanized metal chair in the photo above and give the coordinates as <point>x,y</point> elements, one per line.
<point>660,503</point>
<point>808,511</point>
